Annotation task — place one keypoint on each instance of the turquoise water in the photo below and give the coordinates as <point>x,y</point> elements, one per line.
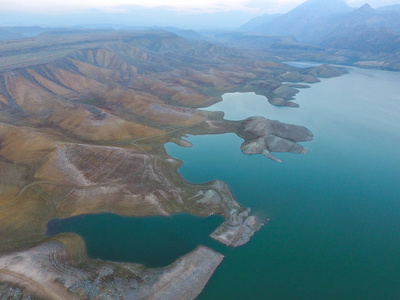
<point>153,241</point>
<point>335,230</point>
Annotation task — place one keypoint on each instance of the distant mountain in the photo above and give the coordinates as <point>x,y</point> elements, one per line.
<point>302,22</point>
<point>392,8</point>
<point>188,34</point>
<point>259,21</point>
<point>369,35</point>
<point>364,39</point>
<point>263,42</point>
<point>315,20</point>
<point>368,17</point>
<point>7,35</point>
<point>18,32</point>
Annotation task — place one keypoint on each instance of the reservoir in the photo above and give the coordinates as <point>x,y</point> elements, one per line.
<point>334,230</point>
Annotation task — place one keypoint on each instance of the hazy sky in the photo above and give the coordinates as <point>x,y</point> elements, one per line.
<point>200,6</point>
<point>190,14</point>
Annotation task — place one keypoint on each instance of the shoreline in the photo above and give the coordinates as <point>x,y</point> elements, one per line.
<point>85,134</point>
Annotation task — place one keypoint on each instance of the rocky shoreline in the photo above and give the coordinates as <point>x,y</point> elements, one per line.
<point>83,122</point>
<point>58,268</point>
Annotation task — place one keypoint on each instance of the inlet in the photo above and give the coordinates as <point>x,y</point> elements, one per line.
<point>155,241</point>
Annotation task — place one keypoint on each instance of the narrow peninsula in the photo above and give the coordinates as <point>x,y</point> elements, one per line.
<point>83,122</point>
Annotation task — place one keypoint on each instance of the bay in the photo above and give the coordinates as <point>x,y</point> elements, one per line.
<point>155,241</point>
<point>335,231</point>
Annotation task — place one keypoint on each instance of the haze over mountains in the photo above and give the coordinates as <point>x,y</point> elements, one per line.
<point>86,112</point>
<point>309,13</point>
<point>334,24</point>
<point>324,31</point>
<point>84,117</point>
<point>332,30</point>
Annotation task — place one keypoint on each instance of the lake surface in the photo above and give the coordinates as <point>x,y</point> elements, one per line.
<point>153,241</point>
<point>335,230</point>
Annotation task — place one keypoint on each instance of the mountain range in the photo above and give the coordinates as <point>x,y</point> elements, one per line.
<point>315,21</point>
<point>324,31</point>
<point>363,35</point>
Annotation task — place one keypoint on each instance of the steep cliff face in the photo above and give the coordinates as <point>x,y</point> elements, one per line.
<point>83,121</point>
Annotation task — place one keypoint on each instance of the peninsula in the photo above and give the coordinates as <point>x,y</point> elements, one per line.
<point>84,117</point>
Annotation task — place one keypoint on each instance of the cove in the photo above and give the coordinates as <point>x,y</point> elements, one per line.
<point>334,232</point>
<point>153,241</point>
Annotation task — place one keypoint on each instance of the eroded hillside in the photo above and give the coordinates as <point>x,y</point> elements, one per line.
<point>83,122</point>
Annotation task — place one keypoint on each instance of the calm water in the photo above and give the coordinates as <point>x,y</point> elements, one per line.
<point>154,241</point>
<point>335,230</point>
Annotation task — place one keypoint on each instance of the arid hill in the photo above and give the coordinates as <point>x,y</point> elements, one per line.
<point>83,122</point>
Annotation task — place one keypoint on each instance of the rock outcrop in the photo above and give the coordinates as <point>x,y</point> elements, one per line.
<point>277,101</point>
<point>264,136</point>
<point>58,268</point>
<point>324,71</point>
<point>296,76</point>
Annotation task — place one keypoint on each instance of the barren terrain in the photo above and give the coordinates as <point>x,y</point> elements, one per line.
<point>83,122</point>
